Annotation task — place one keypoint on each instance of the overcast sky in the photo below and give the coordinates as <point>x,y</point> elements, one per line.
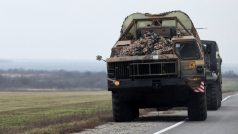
<point>81,29</point>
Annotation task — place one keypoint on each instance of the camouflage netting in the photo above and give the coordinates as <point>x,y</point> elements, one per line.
<point>149,43</point>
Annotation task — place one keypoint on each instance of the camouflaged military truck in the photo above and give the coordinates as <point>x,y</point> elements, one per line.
<point>160,62</point>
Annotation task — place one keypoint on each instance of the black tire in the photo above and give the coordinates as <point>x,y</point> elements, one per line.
<point>214,96</point>
<point>220,92</point>
<point>197,107</point>
<point>220,98</point>
<point>122,111</point>
<point>136,112</point>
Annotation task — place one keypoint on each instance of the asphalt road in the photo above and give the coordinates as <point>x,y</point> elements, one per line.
<point>223,121</point>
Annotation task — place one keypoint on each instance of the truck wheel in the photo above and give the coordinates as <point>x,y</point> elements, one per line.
<point>122,111</point>
<point>197,108</point>
<point>220,98</point>
<point>220,92</point>
<point>213,96</point>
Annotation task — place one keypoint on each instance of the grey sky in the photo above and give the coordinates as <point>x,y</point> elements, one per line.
<point>81,29</point>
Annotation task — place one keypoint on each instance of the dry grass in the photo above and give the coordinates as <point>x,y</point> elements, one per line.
<point>72,126</point>
<point>52,112</point>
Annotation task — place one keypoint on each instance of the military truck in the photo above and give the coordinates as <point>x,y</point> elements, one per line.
<point>213,63</point>
<point>160,62</point>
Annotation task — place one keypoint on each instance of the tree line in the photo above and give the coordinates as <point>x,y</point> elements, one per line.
<point>18,79</point>
<point>230,74</point>
<point>14,79</point>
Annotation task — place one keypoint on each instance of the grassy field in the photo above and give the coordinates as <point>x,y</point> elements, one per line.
<point>52,112</point>
<point>60,112</point>
<point>229,85</point>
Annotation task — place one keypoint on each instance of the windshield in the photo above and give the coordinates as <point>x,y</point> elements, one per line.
<point>187,50</point>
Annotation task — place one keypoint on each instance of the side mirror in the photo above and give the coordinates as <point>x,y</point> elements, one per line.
<point>99,58</point>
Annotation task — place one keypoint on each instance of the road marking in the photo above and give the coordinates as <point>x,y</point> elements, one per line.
<point>226,98</point>
<point>168,128</point>
<point>181,122</point>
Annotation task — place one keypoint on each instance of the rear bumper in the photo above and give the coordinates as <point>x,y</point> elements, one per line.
<point>153,93</point>
<point>148,84</point>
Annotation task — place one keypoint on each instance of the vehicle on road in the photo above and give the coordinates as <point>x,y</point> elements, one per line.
<point>213,63</point>
<point>160,62</point>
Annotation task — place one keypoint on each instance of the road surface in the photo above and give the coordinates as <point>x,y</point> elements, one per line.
<point>223,121</point>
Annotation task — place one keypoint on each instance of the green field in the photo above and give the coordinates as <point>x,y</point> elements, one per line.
<point>229,85</point>
<point>52,112</point>
<point>60,112</point>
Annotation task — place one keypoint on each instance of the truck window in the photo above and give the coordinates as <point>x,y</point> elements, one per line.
<point>187,50</point>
